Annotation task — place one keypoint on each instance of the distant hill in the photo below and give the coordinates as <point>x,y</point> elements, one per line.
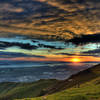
<point>83,86</point>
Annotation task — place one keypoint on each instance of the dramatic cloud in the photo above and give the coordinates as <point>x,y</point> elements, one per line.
<point>7,7</point>
<point>84,39</point>
<point>30,44</point>
<point>54,29</point>
<point>96,51</point>
<point>50,19</point>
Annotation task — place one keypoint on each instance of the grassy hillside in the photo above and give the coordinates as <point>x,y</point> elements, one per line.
<point>87,91</point>
<point>11,91</point>
<point>83,86</point>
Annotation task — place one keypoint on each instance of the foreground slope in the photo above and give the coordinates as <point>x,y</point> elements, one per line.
<point>11,90</point>
<point>83,86</point>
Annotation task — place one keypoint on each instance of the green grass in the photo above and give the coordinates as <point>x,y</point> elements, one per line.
<point>87,91</point>
<point>10,91</point>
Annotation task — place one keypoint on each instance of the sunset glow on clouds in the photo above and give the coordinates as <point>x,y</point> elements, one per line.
<point>57,59</point>
<point>50,30</point>
<point>48,39</point>
<point>49,19</point>
<point>23,50</point>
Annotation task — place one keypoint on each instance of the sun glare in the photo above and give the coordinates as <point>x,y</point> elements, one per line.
<point>75,60</point>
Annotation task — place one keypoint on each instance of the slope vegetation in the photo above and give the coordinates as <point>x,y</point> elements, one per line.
<point>83,86</point>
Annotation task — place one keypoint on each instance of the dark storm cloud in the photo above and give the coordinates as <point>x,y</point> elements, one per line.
<point>18,9</point>
<point>84,39</point>
<point>49,46</point>
<point>67,54</point>
<point>94,51</point>
<point>53,19</point>
<point>7,7</point>
<point>29,44</point>
<point>21,45</point>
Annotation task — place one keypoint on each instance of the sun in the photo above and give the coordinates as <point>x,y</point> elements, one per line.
<point>75,60</point>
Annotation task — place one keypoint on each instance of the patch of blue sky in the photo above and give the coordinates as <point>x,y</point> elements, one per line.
<point>31,52</point>
<point>19,40</point>
<point>92,46</point>
<point>57,44</point>
<point>68,47</point>
<point>78,49</point>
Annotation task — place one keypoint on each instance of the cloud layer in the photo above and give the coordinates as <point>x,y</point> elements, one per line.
<point>50,19</point>
<point>49,29</point>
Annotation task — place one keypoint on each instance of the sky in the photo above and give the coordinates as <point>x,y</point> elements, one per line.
<point>49,31</point>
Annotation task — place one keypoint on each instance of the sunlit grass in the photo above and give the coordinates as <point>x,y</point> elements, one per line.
<point>87,91</point>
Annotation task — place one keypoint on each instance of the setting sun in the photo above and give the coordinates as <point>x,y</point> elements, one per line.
<point>76,60</point>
